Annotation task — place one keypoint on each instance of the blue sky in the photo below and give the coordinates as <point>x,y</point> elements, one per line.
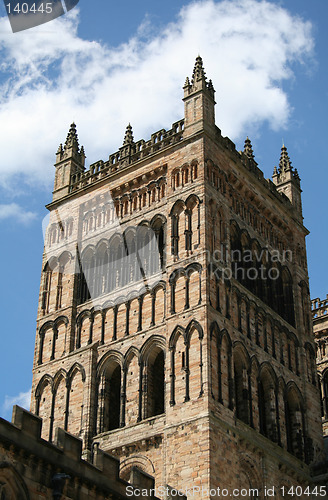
<point>110,63</point>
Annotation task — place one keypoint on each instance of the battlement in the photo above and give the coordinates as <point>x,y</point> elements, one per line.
<point>61,468</point>
<point>251,165</point>
<point>127,155</point>
<point>133,152</point>
<point>319,308</point>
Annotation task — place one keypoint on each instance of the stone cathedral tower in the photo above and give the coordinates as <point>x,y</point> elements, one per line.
<point>174,323</point>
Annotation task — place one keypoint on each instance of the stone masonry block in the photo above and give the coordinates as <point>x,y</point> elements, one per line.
<point>27,422</point>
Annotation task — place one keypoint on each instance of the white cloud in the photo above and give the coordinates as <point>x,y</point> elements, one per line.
<point>14,211</point>
<point>23,399</point>
<point>53,77</point>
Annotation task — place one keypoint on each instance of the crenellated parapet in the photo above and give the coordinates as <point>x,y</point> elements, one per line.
<point>28,463</point>
<point>131,152</point>
<point>319,308</point>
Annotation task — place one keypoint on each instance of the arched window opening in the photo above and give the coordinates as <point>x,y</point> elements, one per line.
<point>43,407</point>
<point>254,273</point>
<point>288,298</point>
<point>325,395</point>
<point>53,235</point>
<point>105,272</point>
<point>144,250</point>
<point>154,255</point>
<point>295,425</point>
<point>126,207</point>
<point>59,287</point>
<point>160,242</point>
<point>305,307</point>
<point>131,260</point>
<point>192,224</point>
<point>101,271</point>
<point>236,254</point>
<point>156,386</point>
<point>84,290</point>
<point>4,495</point>
<point>267,408</point>
<point>177,227</point>
<point>109,399</point>
<point>188,231</point>
<point>85,276</point>
<point>241,390</point>
<point>253,267</point>
<point>46,289</point>
<point>268,284</point>
<point>157,258</point>
<point>114,396</point>
<point>311,364</point>
<point>194,172</point>
<point>115,263</point>
<point>246,263</point>
<point>12,486</point>
<point>175,235</point>
<point>90,275</point>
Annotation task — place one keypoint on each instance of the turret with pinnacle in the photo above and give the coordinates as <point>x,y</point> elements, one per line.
<point>199,101</point>
<point>70,159</point>
<point>128,146</point>
<point>287,180</point>
<point>248,149</point>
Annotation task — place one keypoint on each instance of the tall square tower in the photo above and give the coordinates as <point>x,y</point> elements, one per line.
<point>174,316</point>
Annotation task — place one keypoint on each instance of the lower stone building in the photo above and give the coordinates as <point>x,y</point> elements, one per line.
<point>320,330</point>
<point>34,469</point>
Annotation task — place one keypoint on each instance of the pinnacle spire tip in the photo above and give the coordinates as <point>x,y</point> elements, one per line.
<point>128,137</point>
